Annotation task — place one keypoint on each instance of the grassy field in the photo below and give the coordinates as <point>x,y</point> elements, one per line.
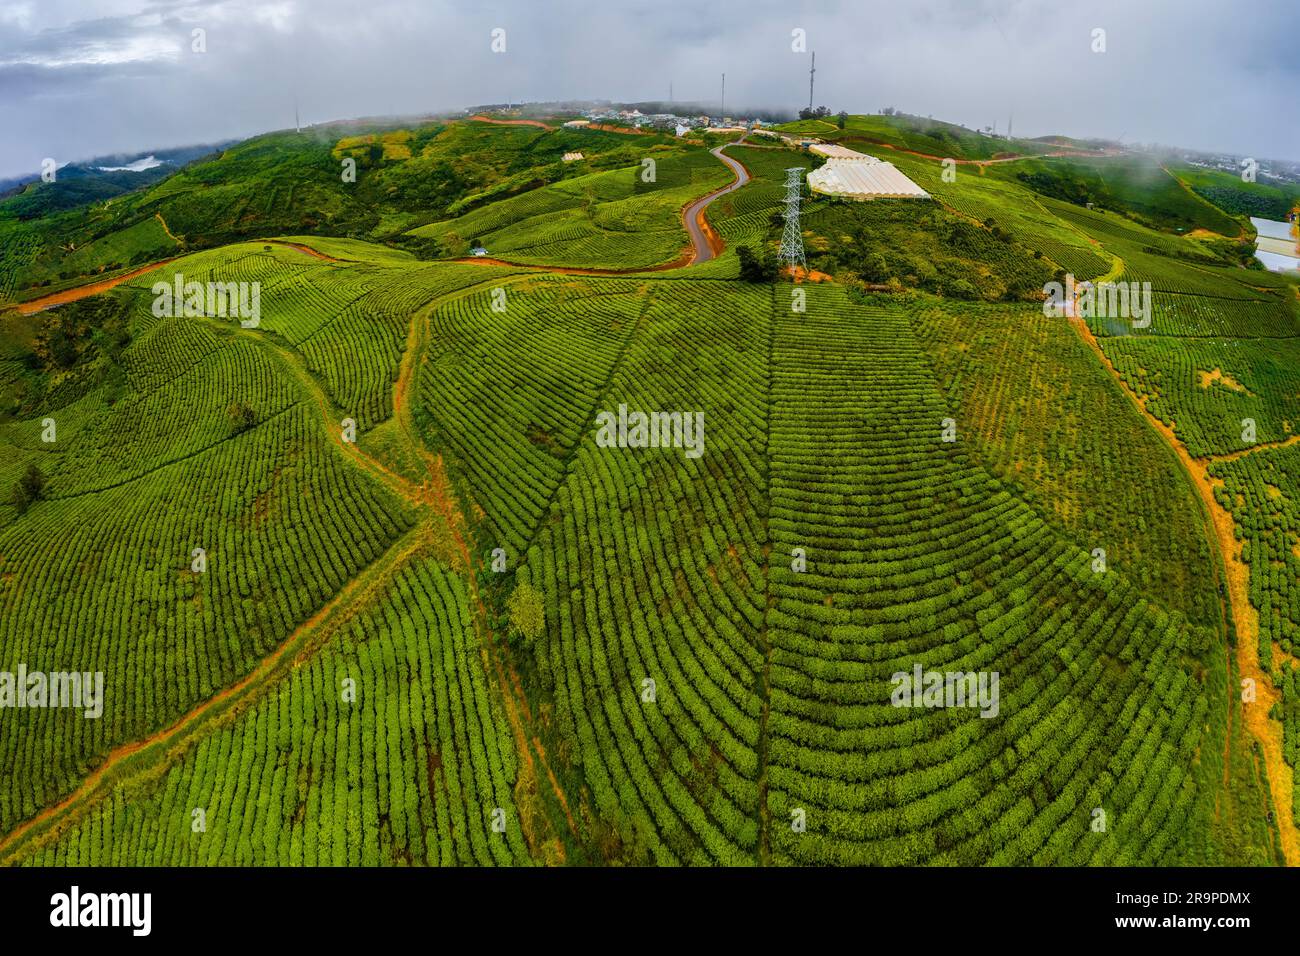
<point>612,219</point>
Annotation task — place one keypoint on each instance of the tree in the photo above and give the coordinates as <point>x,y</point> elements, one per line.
<point>754,267</point>
<point>820,112</point>
<point>841,118</point>
<point>527,614</point>
<point>875,268</point>
<point>29,488</point>
<point>242,417</point>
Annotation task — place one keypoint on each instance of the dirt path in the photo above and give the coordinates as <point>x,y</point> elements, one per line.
<point>480,118</point>
<point>1237,575</point>
<point>79,292</point>
<point>301,247</point>
<point>163,223</point>
<point>85,291</point>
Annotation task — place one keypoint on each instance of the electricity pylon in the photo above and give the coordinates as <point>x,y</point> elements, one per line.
<point>791,253</point>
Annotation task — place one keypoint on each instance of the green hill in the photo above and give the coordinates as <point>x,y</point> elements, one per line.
<point>367,587</point>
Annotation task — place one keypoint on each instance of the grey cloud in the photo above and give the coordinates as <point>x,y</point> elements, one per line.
<point>1197,73</point>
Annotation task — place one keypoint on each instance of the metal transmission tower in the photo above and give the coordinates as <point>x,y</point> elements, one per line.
<point>791,253</point>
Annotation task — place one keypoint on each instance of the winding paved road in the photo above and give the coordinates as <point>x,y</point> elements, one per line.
<point>705,243</point>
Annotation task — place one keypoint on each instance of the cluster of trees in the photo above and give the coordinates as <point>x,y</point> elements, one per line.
<point>914,245</point>
<point>242,417</point>
<point>79,332</point>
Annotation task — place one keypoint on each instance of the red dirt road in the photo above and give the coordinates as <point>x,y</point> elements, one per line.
<point>84,291</point>
<point>95,288</point>
<point>480,118</point>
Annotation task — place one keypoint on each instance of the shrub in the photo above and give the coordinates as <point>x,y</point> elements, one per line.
<point>527,615</point>
<point>242,417</point>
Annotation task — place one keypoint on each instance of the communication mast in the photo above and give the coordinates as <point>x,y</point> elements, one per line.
<point>791,253</point>
<point>812,70</point>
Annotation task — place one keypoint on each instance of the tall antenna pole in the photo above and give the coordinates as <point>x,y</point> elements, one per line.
<point>792,237</point>
<point>811,71</point>
<point>670,92</point>
<point>722,107</point>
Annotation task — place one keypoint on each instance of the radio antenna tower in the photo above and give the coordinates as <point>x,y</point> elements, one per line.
<point>791,253</point>
<point>812,70</point>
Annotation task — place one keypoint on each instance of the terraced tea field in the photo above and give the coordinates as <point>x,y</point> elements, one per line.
<point>373,580</point>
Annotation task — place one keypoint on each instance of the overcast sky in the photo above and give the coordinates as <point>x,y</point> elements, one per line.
<point>80,78</point>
